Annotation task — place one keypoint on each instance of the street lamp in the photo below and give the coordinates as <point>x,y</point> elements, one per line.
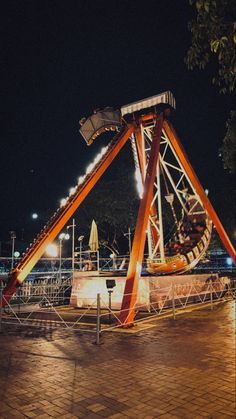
<point>62,236</point>
<point>13,237</point>
<point>80,239</point>
<point>73,244</point>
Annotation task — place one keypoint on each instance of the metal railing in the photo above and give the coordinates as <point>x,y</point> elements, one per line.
<point>48,305</point>
<point>173,300</point>
<point>214,263</point>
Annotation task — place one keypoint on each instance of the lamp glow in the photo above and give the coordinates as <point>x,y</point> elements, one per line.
<point>52,250</point>
<point>64,236</point>
<point>229,261</point>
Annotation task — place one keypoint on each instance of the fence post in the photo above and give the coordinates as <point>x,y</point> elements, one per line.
<point>173,298</point>
<point>1,302</point>
<point>98,328</point>
<point>19,298</point>
<point>211,294</point>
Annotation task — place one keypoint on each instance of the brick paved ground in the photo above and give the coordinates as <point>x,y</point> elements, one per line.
<point>181,369</point>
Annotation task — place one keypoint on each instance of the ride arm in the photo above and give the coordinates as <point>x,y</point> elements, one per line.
<point>60,218</point>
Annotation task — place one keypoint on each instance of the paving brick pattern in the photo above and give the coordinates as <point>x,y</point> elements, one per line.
<point>176,369</point>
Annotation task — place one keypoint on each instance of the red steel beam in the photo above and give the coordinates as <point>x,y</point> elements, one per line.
<point>142,162</point>
<point>27,263</point>
<point>127,313</point>
<point>199,189</point>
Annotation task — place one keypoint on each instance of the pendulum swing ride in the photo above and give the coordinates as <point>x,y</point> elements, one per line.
<point>167,184</point>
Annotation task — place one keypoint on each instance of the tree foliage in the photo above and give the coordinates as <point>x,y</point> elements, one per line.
<point>228,149</point>
<point>213,40</point>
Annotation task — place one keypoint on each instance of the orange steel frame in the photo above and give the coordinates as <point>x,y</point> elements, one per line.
<point>127,314</point>
<point>31,258</point>
<point>199,189</point>
<point>136,258</point>
<point>142,163</point>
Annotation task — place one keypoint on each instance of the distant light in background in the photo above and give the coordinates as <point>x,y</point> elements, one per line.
<point>229,261</point>
<point>16,254</point>
<point>207,191</point>
<point>52,250</point>
<point>35,216</point>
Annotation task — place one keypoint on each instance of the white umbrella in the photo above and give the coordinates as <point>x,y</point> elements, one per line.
<point>93,239</point>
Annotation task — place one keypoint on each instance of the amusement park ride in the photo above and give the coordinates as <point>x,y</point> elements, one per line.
<point>162,171</point>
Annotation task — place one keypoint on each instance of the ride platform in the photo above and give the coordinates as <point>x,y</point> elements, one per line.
<point>153,291</point>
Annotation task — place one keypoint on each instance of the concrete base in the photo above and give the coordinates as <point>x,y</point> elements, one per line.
<point>152,289</point>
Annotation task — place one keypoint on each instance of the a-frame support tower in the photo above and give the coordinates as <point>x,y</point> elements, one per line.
<point>152,112</point>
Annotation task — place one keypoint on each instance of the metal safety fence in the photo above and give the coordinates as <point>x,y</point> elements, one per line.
<point>47,305</point>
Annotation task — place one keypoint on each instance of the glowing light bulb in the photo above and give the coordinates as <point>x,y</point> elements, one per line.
<point>63,202</point>
<point>89,168</point>
<point>80,180</point>
<point>103,150</point>
<point>97,158</point>
<point>72,191</point>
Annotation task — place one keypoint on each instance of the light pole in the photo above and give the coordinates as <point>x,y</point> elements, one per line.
<point>80,239</point>
<point>73,244</point>
<point>63,236</point>
<point>13,237</point>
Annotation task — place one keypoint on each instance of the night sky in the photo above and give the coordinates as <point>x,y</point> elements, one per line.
<point>62,59</point>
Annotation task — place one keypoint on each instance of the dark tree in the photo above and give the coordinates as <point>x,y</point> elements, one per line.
<point>227,151</point>
<point>213,40</point>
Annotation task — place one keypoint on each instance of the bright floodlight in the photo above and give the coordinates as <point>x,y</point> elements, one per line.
<point>52,250</point>
<point>16,254</point>
<point>34,216</point>
<point>67,236</point>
